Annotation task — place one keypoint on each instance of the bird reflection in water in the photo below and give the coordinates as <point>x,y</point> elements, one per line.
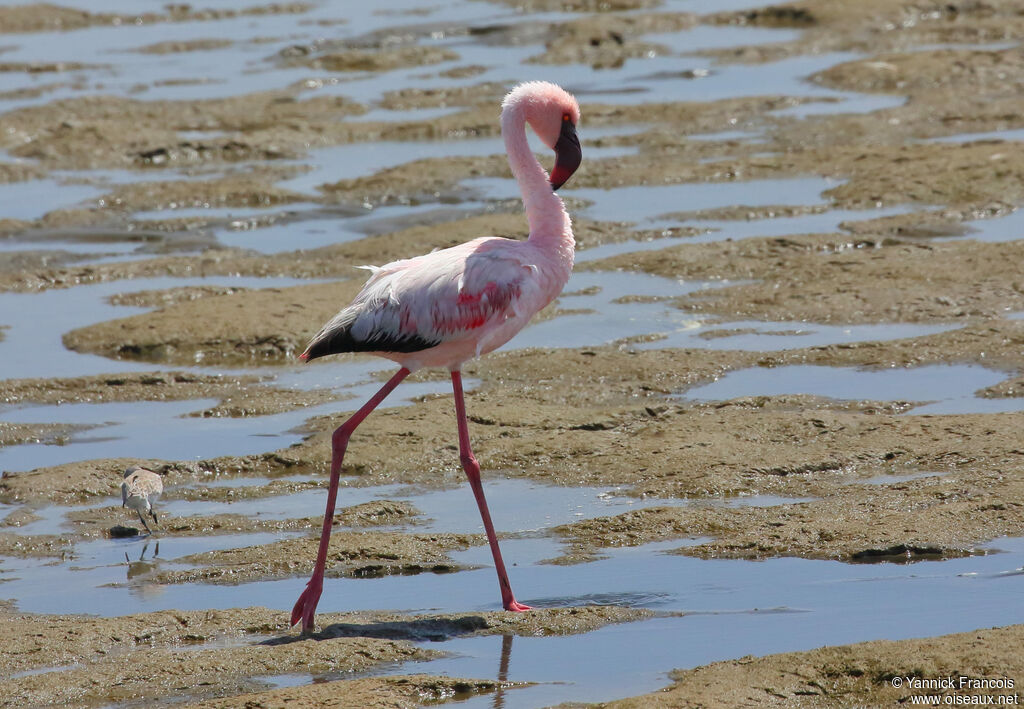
<point>140,570</point>
<point>506,655</point>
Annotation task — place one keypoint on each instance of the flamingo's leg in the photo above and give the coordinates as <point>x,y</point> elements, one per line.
<point>305,607</point>
<point>472,468</point>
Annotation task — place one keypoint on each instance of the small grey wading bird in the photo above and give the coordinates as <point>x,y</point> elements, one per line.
<point>140,489</point>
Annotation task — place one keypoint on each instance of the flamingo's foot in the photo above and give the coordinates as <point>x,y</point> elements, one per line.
<point>305,607</point>
<point>517,607</point>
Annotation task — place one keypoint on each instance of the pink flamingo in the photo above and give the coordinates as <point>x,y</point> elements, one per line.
<point>446,307</point>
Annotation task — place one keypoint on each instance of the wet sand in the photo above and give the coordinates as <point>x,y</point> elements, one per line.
<point>874,481</point>
<point>874,674</point>
<point>216,654</point>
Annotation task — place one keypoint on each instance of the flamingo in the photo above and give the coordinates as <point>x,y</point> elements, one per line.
<point>449,306</point>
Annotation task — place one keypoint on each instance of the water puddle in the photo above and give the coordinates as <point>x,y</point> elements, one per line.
<point>739,136</point>
<point>732,608</point>
<point>782,605</point>
<point>743,607</point>
<point>896,479</point>
<point>43,671</point>
<point>524,511</point>
<point>69,243</point>
<point>595,318</point>
<point>247,63</point>
<point>838,103</point>
<point>608,306</point>
<point>32,345</point>
<point>52,519</point>
<point>828,221</point>
<point>538,507</point>
<point>116,64</point>
<point>165,430</point>
<point>289,680</point>
<point>763,336</point>
<point>388,115</point>
<point>33,199</point>
<point>287,236</point>
<point>347,162</point>
<point>707,37</point>
<point>104,573</point>
<point>647,204</point>
<point>1015,134</point>
<point>210,212</point>
<point>825,222</point>
<point>947,389</point>
<point>1001,229</point>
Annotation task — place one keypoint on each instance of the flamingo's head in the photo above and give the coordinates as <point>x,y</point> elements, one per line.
<point>553,113</point>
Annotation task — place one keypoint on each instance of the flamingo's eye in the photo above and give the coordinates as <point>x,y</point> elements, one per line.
<point>565,116</point>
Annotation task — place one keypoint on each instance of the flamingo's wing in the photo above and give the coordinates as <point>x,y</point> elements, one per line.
<point>413,305</point>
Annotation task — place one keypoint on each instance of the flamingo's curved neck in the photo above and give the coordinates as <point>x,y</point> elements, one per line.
<point>550,226</point>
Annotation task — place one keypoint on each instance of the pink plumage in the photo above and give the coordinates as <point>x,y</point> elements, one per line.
<point>446,307</point>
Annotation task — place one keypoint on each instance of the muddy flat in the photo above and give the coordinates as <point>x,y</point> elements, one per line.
<point>763,450</point>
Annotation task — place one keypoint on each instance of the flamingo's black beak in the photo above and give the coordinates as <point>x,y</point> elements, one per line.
<point>567,154</point>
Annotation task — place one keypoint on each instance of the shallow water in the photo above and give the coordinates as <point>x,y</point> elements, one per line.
<point>645,204</point>
<point>36,322</point>
<point>608,306</point>
<point>1014,134</point>
<point>246,64</point>
<point>941,389</point>
<point>777,606</point>
<point>537,507</point>
<point>733,608</point>
<point>824,222</point>
<point>753,335</point>
<point>525,511</point>
<point>748,608</point>
<point>347,162</point>
<point>211,212</point>
<point>896,479</point>
<point>165,429</point>
<point>601,310</point>
<point>34,198</point>
<point>1008,228</point>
